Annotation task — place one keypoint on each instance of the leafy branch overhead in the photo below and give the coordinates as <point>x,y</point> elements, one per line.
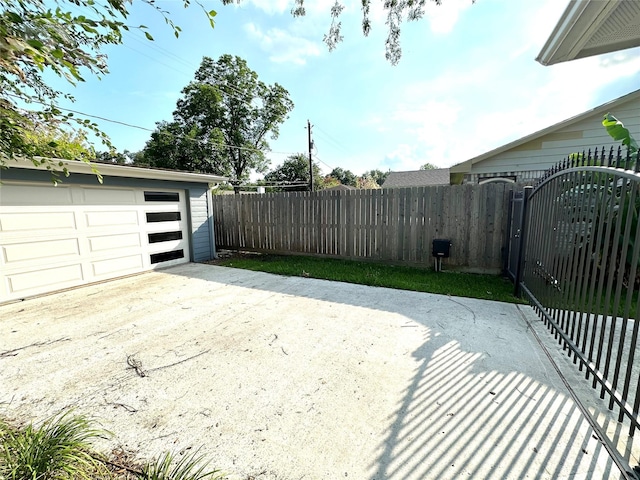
<point>397,11</point>
<point>37,37</point>
<point>67,37</point>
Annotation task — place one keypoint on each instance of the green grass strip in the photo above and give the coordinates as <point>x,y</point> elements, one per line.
<point>488,287</point>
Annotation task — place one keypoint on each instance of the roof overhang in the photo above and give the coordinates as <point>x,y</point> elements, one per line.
<point>592,27</point>
<point>114,170</point>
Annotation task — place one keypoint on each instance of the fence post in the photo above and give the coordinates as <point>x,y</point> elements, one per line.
<point>523,239</point>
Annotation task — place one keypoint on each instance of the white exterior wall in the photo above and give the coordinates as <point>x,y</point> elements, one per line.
<point>544,152</point>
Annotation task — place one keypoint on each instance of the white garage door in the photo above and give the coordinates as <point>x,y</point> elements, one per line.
<point>58,237</point>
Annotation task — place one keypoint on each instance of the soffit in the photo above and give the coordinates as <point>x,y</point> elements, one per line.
<point>589,28</point>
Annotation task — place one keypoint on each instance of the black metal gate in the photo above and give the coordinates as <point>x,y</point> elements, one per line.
<point>580,268</point>
<point>516,203</point>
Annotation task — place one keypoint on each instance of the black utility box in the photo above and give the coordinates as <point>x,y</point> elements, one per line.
<point>441,248</point>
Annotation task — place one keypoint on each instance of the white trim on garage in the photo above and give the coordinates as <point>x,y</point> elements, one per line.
<point>127,171</point>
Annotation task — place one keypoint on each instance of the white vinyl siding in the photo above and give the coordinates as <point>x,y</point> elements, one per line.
<point>201,230</point>
<point>532,158</point>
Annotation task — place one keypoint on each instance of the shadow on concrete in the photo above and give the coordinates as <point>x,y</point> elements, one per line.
<point>483,402</point>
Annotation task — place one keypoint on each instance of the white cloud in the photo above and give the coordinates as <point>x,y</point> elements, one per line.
<point>623,64</point>
<point>271,6</point>
<point>481,107</point>
<point>442,18</point>
<point>432,130</point>
<point>283,47</point>
<point>402,159</point>
<point>538,23</point>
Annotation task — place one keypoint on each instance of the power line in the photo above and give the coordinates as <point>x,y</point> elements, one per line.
<point>136,34</point>
<point>332,139</point>
<point>322,161</point>
<point>145,128</point>
<point>238,94</point>
<point>276,184</point>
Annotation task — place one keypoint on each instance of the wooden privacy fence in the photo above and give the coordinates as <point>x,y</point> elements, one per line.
<point>390,225</point>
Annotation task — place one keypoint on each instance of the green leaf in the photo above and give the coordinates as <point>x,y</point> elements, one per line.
<point>57,53</point>
<point>37,44</point>
<point>14,17</point>
<point>616,129</point>
<point>212,13</point>
<point>148,35</point>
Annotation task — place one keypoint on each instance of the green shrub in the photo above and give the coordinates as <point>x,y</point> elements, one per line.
<point>59,448</point>
<point>190,467</point>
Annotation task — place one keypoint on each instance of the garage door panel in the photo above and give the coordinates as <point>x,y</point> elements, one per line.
<point>43,280</point>
<point>108,196</point>
<point>33,195</point>
<point>47,249</point>
<point>117,266</point>
<point>37,221</point>
<point>163,227</point>
<point>168,245</point>
<point>111,218</point>
<point>114,242</point>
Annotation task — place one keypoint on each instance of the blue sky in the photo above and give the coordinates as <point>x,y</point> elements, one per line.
<point>467,81</point>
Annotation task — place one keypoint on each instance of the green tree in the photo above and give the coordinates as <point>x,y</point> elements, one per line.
<point>376,175</point>
<point>222,122</point>
<point>120,158</point>
<point>54,143</point>
<point>38,37</point>
<point>295,169</point>
<point>327,182</point>
<point>345,177</point>
<point>47,146</point>
<point>367,183</point>
<point>183,146</point>
<point>429,166</point>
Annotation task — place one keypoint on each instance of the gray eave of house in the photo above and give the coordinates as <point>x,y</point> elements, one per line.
<point>592,27</point>
<point>114,170</point>
<point>465,166</point>
<point>417,178</point>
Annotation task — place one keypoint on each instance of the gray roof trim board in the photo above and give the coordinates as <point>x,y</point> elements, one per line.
<point>115,170</point>
<point>417,178</point>
<point>464,167</point>
<point>592,27</point>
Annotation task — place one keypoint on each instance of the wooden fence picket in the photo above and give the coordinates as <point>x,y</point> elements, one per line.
<point>394,225</point>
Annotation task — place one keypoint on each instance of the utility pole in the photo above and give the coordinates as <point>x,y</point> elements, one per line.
<point>310,160</point>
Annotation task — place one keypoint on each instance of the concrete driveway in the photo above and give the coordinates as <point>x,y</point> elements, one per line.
<point>296,378</point>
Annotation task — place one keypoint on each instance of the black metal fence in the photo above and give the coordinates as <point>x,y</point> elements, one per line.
<point>579,268</point>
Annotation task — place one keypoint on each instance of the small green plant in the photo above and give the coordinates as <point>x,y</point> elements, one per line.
<point>190,467</point>
<point>58,448</point>
<point>616,129</point>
